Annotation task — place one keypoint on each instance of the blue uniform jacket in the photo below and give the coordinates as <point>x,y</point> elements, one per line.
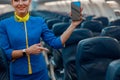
<point>12,37</point>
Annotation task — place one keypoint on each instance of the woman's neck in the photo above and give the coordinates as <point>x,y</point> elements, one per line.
<point>22,14</point>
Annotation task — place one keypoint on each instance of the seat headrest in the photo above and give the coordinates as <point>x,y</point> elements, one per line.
<point>98,47</point>
<point>66,19</point>
<point>104,20</point>
<point>51,22</point>
<point>112,31</point>
<point>115,23</point>
<point>59,28</point>
<point>94,26</point>
<point>77,35</point>
<point>89,17</point>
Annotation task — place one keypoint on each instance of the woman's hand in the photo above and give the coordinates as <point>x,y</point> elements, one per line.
<point>76,23</point>
<point>36,49</point>
<point>68,32</point>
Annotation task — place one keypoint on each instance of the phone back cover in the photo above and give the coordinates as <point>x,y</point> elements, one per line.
<point>75,9</point>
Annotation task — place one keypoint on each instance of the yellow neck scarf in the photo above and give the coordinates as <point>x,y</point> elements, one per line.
<point>20,19</point>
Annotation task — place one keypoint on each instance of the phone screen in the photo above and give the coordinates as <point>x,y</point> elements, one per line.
<point>75,10</point>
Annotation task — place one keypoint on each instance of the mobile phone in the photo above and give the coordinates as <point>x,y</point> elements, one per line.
<point>75,10</point>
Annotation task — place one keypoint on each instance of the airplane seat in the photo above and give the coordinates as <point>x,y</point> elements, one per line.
<point>6,15</point>
<point>34,13</point>
<point>94,26</point>
<point>56,65</point>
<point>49,18</point>
<point>60,17</point>
<point>94,55</point>
<point>89,17</point>
<point>112,31</point>
<point>66,19</point>
<point>59,28</point>
<point>51,22</point>
<point>56,61</point>
<point>4,66</point>
<point>104,20</point>
<point>79,26</point>
<point>115,23</point>
<point>113,71</point>
<point>69,52</point>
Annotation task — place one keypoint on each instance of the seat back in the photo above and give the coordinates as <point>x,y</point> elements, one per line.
<point>112,31</point>
<point>113,71</point>
<point>69,52</point>
<point>51,22</point>
<point>115,22</point>
<point>94,55</point>
<point>94,26</point>
<point>59,28</point>
<point>103,19</point>
<point>4,67</point>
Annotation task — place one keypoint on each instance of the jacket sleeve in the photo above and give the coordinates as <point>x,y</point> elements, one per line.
<point>4,41</point>
<point>49,37</point>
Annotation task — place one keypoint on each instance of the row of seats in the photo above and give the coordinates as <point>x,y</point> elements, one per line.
<point>70,69</point>
<point>69,52</point>
<point>90,58</point>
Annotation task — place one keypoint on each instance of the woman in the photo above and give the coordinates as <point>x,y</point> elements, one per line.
<point>20,38</point>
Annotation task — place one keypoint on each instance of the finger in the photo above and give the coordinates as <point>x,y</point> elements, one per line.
<point>70,14</point>
<point>39,44</point>
<point>81,9</point>
<point>44,49</point>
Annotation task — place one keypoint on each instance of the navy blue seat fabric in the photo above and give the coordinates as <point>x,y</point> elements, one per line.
<point>115,23</point>
<point>103,19</point>
<point>60,17</point>
<point>34,13</point>
<point>4,66</point>
<point>51,22</point>
<point>6,15</point>
<point>94,55</point>
<point>59,28</point>
<point>69,52</point>
<point>112,31</point>
<point>66,19</point>
<point>113,71</point>
<point>49,18</point>
<point>94,26</point>
<point>78,35</point>
<point>79,26</point>
<point>89,17</point>
<point>57,60</point>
